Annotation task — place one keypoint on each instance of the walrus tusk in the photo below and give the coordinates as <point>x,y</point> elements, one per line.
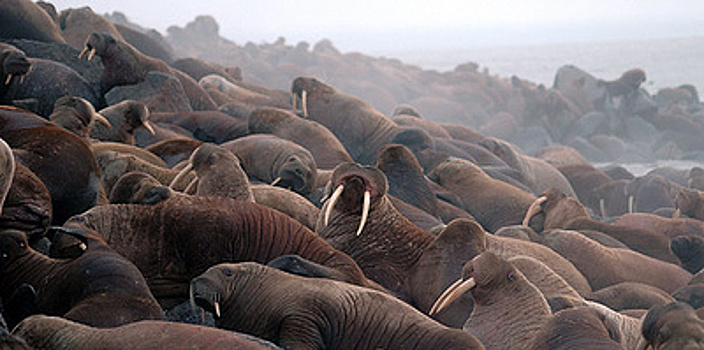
<point>295,103</point>
<point>8,80</point>
<point>630,204</point>
<point>191,185</point>
<point>102,120</point>
<point>276,181</point>
<point>451,294</point>
<point>192,298</point>
<point>149,127</point>
<point>365,211</point>
<point>217,309</point>
<point>677,214</point>
<point>331,203</point>
<point>602,207</point>
<point>304,103</point>
<point>91,54</point>
<point>83,52</point>
<point>180,175</point>
<point>22,79</point>
<point>82,246</point>
<point>533,209</point>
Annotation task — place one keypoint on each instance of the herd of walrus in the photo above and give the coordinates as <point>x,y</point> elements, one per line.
<point>146,200</point>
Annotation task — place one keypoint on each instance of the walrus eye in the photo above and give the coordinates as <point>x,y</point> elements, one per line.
<point>511,276</point>
<point>291,159</point>
<point>228,272</point>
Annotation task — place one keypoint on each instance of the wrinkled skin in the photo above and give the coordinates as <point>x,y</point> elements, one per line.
<point>219,173</point>
<point>631,295</point>
<point>74,114</point>
<point>99,287</point>
<point>186,235</point>
<point>302,313</point>
<point>62,160</point>
<point>44,332</point>
<point>267,158</point>
<point>673,326</point>
<point>508,310</point>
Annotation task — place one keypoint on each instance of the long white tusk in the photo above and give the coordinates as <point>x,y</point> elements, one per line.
<point>295,103</point>
<point>180,175</point>
<point>451,294</point>
<point>149,127</point>
<point>602,207</point>
<point>193,298</point>
<point>190,189</point>
<point>365,211</point>
<point>331,203</point>
<point>83,52</point>
<point>217,309</point>
<point>22,79</point>
<point>102,120</point>
<point>91,54</point>
<point>8,80</point>
<point>533,209</point>
<point>677,214</point>
<point>630,204</point>
<point>304,103</point>
<point>276,181</point>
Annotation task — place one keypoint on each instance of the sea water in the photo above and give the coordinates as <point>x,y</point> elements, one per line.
<point>667,62</point>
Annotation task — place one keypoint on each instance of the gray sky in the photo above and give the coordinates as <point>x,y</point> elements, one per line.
<point>381,25</point>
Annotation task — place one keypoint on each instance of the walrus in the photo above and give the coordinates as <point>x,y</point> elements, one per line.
<point>14,64</point>
<point>124,65</point>
<point>276,161</point>
<point>23,19</point>
<point>313,313</point>
<point>123,118</point>
<point>46,332</point>
<point>235,93</point>
<point>326,149</point>
<point>218,173</point>
<point>61,160</point>
<point>139,188</point>
<point>77,24</point>
<point>76,115</point>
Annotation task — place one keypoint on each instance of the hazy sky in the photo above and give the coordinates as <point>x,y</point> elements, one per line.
<point>381,25</point>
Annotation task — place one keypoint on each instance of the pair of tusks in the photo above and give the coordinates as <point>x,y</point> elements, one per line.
<point>304,103</point>
<point>366,204</point>
<point>534,209</point>
<point>216,304</point>
<point>86,50</point>
<point>8,80</point>
<point>181,175</point>
<point>451,294</point>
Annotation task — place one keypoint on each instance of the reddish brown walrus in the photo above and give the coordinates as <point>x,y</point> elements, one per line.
<point>181,237</point>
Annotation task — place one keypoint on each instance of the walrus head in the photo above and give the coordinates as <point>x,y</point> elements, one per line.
<point>305,87</point>
<point>482,275</point>
<point>212,289</point>
<point>672,326</point>
<point>13,246</point>
<point>558,210</point>
<point>357,189</point>
<point>71,109</point>
<point>13,63</point>
<point>139,188</point>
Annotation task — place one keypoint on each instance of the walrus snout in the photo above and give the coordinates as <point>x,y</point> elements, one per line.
<point>207,294</point>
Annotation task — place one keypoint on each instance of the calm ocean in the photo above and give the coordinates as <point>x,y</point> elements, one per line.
<point>667,62</point>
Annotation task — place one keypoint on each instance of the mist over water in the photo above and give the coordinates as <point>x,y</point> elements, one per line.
<point>667,62</point>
